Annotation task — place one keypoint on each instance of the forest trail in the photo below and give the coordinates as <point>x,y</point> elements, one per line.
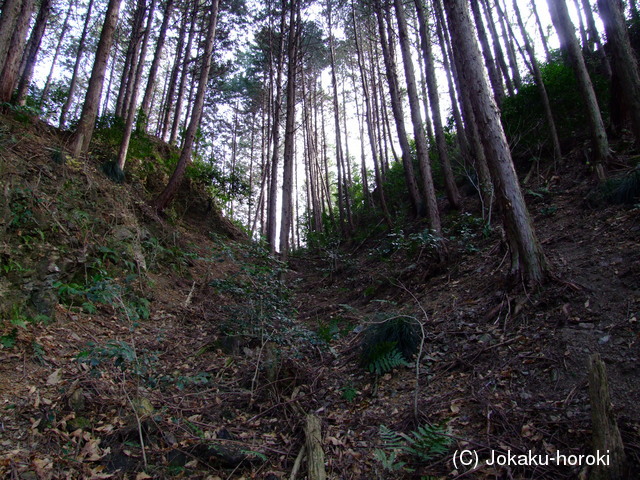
<point>167,349</point>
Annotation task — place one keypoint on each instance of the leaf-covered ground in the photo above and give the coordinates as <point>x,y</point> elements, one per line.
<point>138,347</point>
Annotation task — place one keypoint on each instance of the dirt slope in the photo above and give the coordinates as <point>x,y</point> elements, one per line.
<point>134,347</point>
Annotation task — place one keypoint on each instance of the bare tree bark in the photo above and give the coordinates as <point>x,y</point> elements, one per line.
<point>10,14</point>
<point>543,36</point>
<point>494,77</point>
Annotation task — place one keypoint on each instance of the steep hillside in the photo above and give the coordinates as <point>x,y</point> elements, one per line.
<point>138,347</point>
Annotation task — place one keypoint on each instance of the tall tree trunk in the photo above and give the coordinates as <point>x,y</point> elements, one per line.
<point>33,48</point>
<point>9,77</point>
<point>169,98</point>
<point>509,41</point>
<point>63,33</point>
<point>155,63</point>
<point>288,157</point>
<point>531,262</point>
<point>10,14</point>
<point>175,181</point>
<point>84,131</point>
<point>537,75</point>
<point>581,27</point>
<point>434,100</point>
<point>564,27</point>
<point>133,101</point>
<point>594,38</point>
<point>76,67</point>
<point>497,47</point>
<point>343,200</point>
<point>475,150</point>
<point>396,105</point>
<point>373,144</point>
<point>494,77</point>
<point>422,149</point>
<point>173,137</point>
<point>624,62</point>
<point>543,36</point>
<point>272,204</point>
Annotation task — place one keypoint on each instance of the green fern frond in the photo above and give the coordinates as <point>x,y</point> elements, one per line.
<point>428,442</point>
<point>387,362</point>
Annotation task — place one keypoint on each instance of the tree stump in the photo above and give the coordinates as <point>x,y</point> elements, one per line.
<point>606,436</point>
<point>315,454</point>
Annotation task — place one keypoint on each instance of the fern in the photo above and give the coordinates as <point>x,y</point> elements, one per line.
<point>424,445</point>
<point>387,362</point>
<point>428,442</point>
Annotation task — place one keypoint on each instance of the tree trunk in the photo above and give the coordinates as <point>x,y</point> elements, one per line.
<point>434,101</point>
<point>173,137</point>
<point>396,105</point>
<point>131,108</point>
<point>84,132</point>
<point>565,29</point>
<point>624,63</point>
<point>497,48</point>
<point>373,144</point>
<point>175,181</point>
<point>345,226</point>
<point>422,149</point>
<point>9,77</point>
<point>494,77</point>
<point>543,37</point>
<point>29,60</point>
<point>509,41</point>
<point>531,263</point>
<point>155,63</point>
<point>606,435</point>
<point>63,33</point>
<point>76,66</point>
<point>537,75</point>
<point>168,107</point>
<point>288,157</point>
<point>10,14</point>
<point>272,204</point>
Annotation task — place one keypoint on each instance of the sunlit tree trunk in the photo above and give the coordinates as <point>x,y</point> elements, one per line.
<point>530,261</point>
<point>84,131</point>
<point>175,181</point>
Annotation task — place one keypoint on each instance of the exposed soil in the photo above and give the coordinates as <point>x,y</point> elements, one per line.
<point>217,380</point>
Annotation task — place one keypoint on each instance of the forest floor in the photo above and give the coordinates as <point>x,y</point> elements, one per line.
<point>137,347</point>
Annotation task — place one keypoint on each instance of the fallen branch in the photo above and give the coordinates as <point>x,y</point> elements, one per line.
<point>315,454</point>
